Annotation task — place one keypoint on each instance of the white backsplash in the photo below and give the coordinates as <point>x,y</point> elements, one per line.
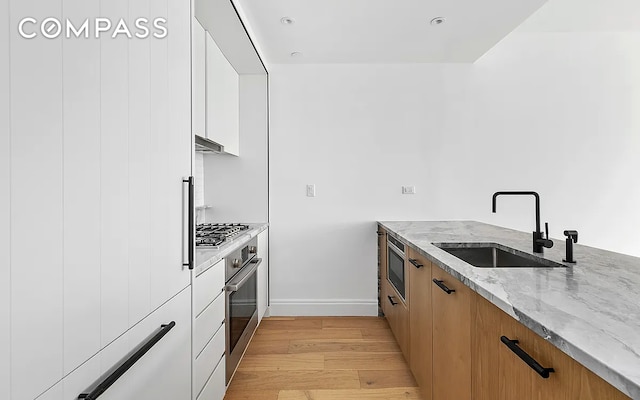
<point>199,188</point>
<point>199,180</point>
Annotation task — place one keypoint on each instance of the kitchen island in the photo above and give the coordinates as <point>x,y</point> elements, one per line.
<point>589,310</point>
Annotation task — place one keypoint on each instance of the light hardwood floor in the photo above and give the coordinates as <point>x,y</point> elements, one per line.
<point>323,358</point>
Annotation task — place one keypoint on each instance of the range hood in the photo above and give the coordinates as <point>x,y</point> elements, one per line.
<point>204,145</point>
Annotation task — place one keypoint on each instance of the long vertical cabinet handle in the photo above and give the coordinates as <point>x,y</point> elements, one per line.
<point>190,223</point>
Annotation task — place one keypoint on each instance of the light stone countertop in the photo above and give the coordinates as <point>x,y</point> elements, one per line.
<point>206,257</point>
<point>589,310</point>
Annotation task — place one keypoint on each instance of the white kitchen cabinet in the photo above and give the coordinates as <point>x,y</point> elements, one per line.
<point>36,205</point>
<point>81,378</point>
<point>199,80</point>
<point>208,286</point>
<point>54,393</point>
<point>263,274</point>
<point>145,153</point>
<point>215,389</point>
<point>164,372</point>
<point>207,361</point>
<point>223,99</point>
<point>81,112</point>
<point>91,170</point>
<point>209,332</point>
<point>171,147</point>
<point>208,323</point>
<point>114,180</point>
<point>5,205</point>
<point>140,171</point>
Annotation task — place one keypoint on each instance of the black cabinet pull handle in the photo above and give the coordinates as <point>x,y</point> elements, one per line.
<point>442,286</point>
<point>117,371</point>
<point>415,263</point>
<point>380,233</point>
<point>190,223</point>
<point>393,303</point>
<point>513,346</point>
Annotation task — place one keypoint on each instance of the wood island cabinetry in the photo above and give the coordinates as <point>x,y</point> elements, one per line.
<point>499,374</point>
<point>451,304</point>
<point>420,321</point>
<point>394,306</point>
<point>461,346</point>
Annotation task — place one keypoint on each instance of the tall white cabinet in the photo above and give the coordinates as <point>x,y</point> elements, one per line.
<point>94,143</point>
<point>5,205</point>
<point>37,196</point>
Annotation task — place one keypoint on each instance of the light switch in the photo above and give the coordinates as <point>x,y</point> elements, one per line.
<point>408,190</point>
<point>311,190</point>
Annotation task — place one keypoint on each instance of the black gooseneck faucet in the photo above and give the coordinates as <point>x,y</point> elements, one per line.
<point>539,242</point>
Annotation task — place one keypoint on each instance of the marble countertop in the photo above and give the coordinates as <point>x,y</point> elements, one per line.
<point>206,257</point>
<point>589,310</point>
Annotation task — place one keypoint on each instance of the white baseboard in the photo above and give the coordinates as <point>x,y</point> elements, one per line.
<point>329,308</point>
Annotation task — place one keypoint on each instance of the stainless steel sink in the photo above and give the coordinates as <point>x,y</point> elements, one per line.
<point>493,255</point>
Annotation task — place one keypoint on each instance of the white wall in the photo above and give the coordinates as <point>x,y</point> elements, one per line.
<point>551,112</point>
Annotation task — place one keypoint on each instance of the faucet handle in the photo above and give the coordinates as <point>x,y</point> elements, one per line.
<point>572,235</point>
<point>546,230</point>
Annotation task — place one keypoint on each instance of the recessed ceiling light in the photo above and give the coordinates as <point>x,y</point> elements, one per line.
<point>296,54</point>
<point>287,21</point>
<point>437,21</point>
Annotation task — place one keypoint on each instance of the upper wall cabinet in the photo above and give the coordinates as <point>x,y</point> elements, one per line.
<point>216,92</point>
<point>199,68</point>
<point>222,99</point>
<point>222,53</point>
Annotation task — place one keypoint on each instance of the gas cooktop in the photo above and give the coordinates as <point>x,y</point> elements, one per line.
<point>215,235</point>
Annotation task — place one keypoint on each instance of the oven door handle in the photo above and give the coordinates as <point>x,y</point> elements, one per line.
<point>243,276</point>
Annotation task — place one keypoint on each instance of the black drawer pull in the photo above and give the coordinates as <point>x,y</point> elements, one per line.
<point>415,263</point>
<point>117,371</point>
<point>380,233</point>
<point>442,286</point>
<point>393,303</point>
<point>513,346</point>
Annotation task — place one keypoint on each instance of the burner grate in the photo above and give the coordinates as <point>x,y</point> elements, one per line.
<point>214,235</point>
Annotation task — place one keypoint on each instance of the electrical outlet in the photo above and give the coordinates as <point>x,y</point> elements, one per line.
<point>311,190</point>
<point>408,190</point>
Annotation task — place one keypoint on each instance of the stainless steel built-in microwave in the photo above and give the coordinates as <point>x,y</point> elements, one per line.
<point>395,265</point>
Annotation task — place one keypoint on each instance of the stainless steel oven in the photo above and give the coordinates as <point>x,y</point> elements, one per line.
<point>395,265</point>
<point>241,291</point>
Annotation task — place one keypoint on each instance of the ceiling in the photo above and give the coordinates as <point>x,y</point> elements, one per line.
<point>380,31</point>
